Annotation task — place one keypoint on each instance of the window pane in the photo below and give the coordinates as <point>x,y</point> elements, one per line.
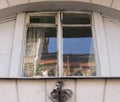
<point>41,52</point>
<point>78,52</point>
<point>42,19</point>
<point>72,18</point>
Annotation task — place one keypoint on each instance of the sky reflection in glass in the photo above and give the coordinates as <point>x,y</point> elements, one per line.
<point>73,45</point>
<point>78,45</point>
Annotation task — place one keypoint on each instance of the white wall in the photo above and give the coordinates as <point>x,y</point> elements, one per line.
<point>6,38</point>
<point>107,39</point>
<point>112,33</point>
<point>84,90</point>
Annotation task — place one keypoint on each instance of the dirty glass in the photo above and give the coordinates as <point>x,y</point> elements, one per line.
<point>78,52</point>
<point>76,18</point>
<point>41,52</point>
<point>42,19</point>
<point>66,48</point>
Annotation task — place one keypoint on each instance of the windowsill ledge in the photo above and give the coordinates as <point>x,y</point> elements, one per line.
<point>57,78</point>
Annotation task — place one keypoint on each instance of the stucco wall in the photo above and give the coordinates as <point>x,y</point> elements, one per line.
<point>109,3</point>
<point>11,7</point>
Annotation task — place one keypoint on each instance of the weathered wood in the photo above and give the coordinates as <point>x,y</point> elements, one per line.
<point>84,90</point>
<point>60,46</point>
<point>6,36</point>
<point>112,31</point>
<point>76,25</point>
<point>99,36</point>
<point>49,86</point>
<point>112,92</point>
<point>8,92</point>
<point>89,90</point>
<point>70,84</point>
<point>31,91</point>
<point>41,25</point>
<point>17,50</point>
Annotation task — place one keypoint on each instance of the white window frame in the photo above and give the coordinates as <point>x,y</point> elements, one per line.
<point>97,34</point>
<point>101,46</point>
<point>17,49</point>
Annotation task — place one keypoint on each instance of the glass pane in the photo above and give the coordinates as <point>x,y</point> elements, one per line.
<point>78,52</point>
<point>41,52</point>
<point>72,18</point>
<point>42,19</point>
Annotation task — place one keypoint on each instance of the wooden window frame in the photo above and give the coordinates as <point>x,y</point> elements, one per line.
<point>97,31</point>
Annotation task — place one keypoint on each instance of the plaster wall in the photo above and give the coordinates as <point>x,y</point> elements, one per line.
<point>109,3</point>
<point>11,7</point>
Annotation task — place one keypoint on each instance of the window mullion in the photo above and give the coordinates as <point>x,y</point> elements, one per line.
<point>60,46</point>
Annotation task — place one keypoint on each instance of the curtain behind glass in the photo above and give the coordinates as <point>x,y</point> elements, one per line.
<point>41,52</point>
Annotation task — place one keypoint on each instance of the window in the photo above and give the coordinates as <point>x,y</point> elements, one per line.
<point>59,44</point>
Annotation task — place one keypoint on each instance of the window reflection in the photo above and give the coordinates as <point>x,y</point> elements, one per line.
<point>78,53</point>
<point>41,52</point>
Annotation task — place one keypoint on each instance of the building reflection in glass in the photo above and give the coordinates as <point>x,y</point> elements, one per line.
<point>41,52</point>
<point>78,53</point>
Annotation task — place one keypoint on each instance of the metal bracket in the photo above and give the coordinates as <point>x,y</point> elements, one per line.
<point>59,95</point>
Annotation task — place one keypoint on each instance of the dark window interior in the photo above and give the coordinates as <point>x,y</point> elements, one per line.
<point>70,18</point>
<point>42,19</point>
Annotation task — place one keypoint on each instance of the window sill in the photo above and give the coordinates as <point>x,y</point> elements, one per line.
<point>57,78</point>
